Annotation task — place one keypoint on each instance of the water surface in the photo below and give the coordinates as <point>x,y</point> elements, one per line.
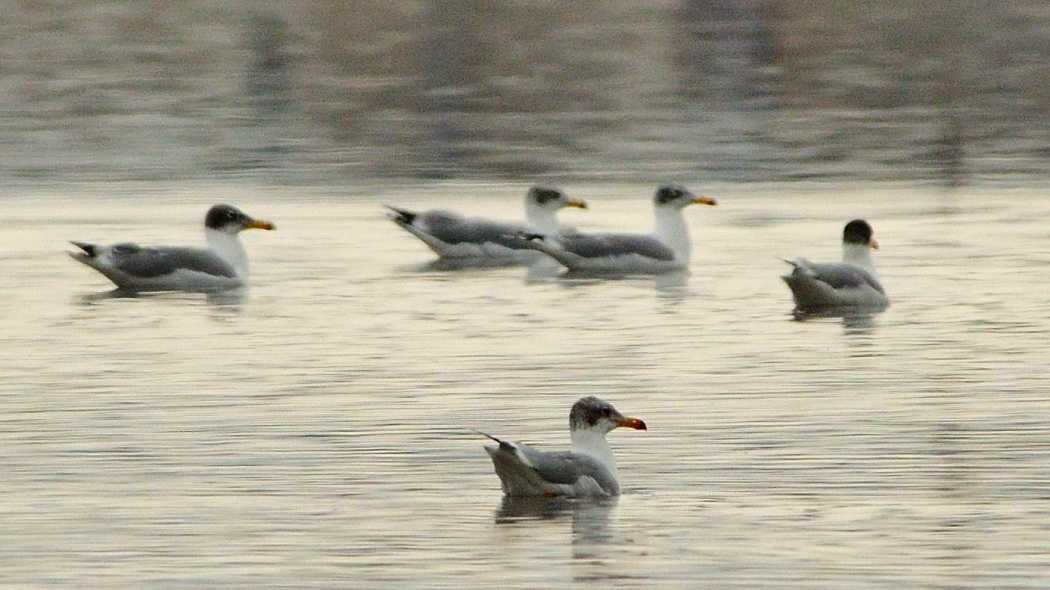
<point>315,432</point>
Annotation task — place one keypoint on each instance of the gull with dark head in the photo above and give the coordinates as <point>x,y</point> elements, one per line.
<point>848,285</point>
<point>666,248</point>
<point>587,469</point>
<point>221,266</point>
<point>451,235</point>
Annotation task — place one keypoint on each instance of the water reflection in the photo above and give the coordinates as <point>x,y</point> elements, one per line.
<point>934,476</point>
<point>454,264</point>
<point>595,545</point>
<point>858,323</point>
<point>672,282</point>
<point>854,321</point>
<point>229,301</point>
<point>513,508</point>
<point>92,298</point>
<point>590,524</point>
<point>590,516</point>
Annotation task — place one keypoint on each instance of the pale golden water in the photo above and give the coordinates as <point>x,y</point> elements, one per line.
<point>315,433</point>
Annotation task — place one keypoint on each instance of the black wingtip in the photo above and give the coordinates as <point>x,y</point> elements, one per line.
<point>402,215</point>
<point>89,249</point>
<point>485,434</point>
<point>503,444</point>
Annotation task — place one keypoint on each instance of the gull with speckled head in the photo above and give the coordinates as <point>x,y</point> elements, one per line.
<point>223,265</point>
<point>665,249</point>
<point>587,469</point>
<point>454,236</point>
<point>848,285</point>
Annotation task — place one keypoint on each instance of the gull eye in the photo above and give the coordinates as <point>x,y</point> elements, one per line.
<point>606,412</point>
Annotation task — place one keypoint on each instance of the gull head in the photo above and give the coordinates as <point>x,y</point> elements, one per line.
<point>593,414</point>
<point>859,233</point>
<point>228,219</point>
<point>550,197</point>
<point>678,197</point>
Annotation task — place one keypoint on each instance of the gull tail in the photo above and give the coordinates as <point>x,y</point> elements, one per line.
<point>800,269</point>
<point>504,445</point>
<point>486,435</point>
<point>536,241</point>
<point>402,216</point>
<point>90,249</point>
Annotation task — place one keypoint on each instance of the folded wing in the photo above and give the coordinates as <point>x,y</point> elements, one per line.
<point>613,245</point>
<point>156,262</point>
<point>839,275</point>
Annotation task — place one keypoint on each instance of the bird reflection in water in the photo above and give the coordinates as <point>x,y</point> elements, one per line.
<point>224,302</point>
<point>853,321</point>
<point>590,516</point>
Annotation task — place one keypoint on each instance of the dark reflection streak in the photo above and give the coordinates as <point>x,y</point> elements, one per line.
<point>671,283</point>
<point>513,509</point>
<point>590,522</point>
<point>224,301</point>
<point>457,264</point>
<point>590,516</point>
<point>92,298</point>
<point>956,534</point>
<point>853,321</point>
<point>227,302</point>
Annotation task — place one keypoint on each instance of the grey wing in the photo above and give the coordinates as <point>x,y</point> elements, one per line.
<point>453,229</point>
<point>602,245</point>
<point>567,467</point>
<point>157,262</point>
<point>841,276</point>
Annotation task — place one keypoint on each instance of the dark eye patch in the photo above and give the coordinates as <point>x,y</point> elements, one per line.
<point>668,194</point>
<point>546,195</point>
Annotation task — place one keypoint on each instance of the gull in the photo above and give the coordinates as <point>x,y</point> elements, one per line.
<point>587,469</point>
<point>451,235</point>
<point>666,248</point>
<point>221,266</point>
<point>850,284</point>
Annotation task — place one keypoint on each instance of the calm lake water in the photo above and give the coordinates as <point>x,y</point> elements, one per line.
<point>315,433</point>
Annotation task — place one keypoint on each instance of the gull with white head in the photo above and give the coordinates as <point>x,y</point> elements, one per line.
<point>223,265</point>
<point>587,469</point>
<point>453,236</point>
<point>666,248</point>
<point>848,285</point>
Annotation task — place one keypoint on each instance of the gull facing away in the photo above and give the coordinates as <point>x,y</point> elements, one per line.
<point>666,248</point>
<point>451,235</point>
<point>850,284</point>
<point>587,469</point>
<point>221,266</point>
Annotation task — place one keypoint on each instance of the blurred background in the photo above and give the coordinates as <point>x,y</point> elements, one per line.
<point>329,90</point>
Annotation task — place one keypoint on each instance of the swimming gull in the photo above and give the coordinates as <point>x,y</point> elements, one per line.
<point>587,469</point>
<point>222,265</point>
<point>451,235</point>
<point>850,284</point>
<point>666,248</point>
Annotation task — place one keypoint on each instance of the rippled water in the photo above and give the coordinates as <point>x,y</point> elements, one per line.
<point>315,433</point>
